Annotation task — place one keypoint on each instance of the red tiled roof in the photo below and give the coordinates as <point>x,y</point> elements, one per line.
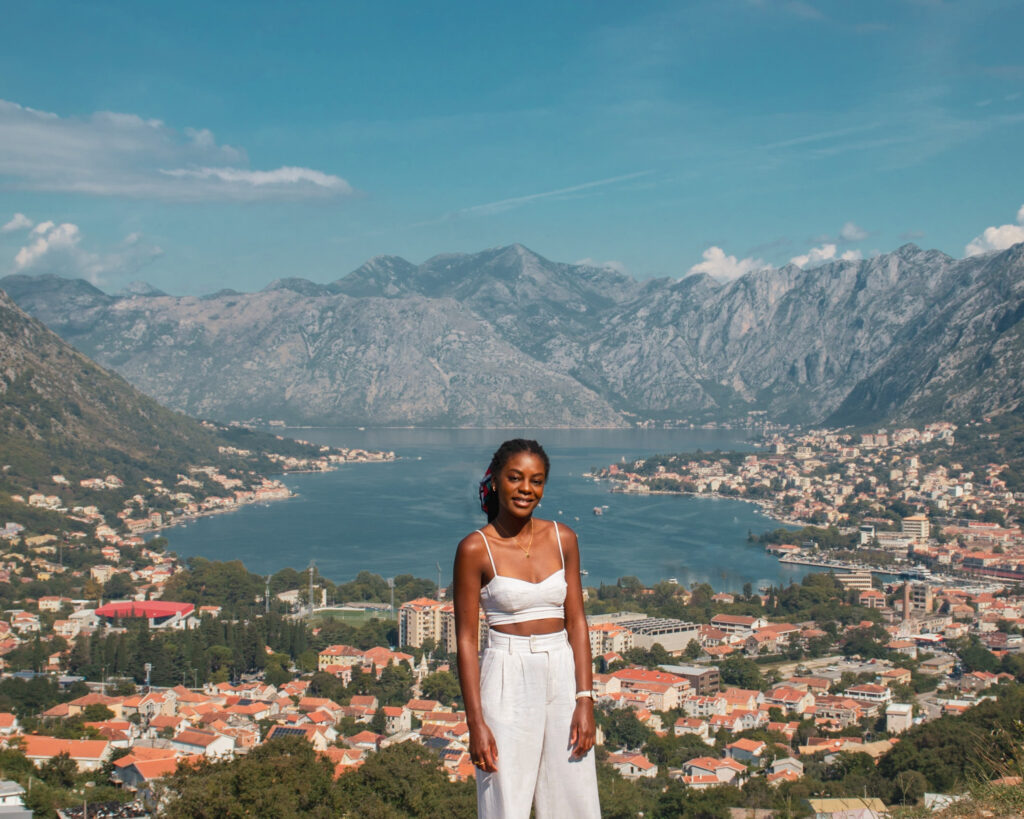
<point>150,769</point>
<point>44,747</point>
<point>148,608</point>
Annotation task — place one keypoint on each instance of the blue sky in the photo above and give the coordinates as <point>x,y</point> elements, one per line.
<point>198,145</point>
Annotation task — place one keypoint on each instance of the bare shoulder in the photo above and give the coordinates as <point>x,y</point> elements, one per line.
<point>567,535</point>
<point>470,549</point>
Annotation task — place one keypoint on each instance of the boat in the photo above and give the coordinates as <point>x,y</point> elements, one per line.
<point>598,510</point>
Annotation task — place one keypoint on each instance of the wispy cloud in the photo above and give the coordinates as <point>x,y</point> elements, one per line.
<point>852,232</point>
<point>501,205</point>
<point>849,233</point>
<point>795,8</point>
<point>820,136</point>
<point>117,154</point>
<point>518,201</point>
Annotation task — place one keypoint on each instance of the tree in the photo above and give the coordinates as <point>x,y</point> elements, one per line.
<point>59,771</point>
<point>692,650</point>
<point>283,778</point>
<point>404,780</point>
<point>379,722</point>
<point>97,712</point>
<point>911,786</point>
<point>741,671</point>
<point>622,729</point>
<point>441,686</point>
<point>119,587</point>
<point>275,675</point>
<point>395,684</point>
<point>630,583</point>
<point>975,657</point>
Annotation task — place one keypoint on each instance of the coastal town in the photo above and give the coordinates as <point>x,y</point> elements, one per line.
<point>912,616</point>
<point>898,497</point>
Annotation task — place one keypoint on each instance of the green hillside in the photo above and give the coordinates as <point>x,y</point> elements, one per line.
<point>60,413</point>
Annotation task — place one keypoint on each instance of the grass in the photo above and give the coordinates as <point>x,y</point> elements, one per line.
<point>349,616</point>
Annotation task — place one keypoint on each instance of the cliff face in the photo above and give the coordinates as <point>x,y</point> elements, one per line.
<point>505,337</point>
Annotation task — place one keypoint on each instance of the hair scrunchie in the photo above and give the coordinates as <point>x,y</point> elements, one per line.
<point>486,489</point>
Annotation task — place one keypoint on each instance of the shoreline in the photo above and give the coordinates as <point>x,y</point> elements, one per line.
<point>766,506</point>
<point>184,519</point>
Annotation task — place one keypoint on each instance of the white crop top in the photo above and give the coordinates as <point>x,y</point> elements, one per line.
<point>511,600</point>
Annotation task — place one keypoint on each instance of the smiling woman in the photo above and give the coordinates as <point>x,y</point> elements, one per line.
<point>537,653</point>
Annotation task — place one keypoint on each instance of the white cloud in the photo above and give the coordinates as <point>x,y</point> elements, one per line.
<point>816,255</point>
<point>115,154</point>
<point>57,249</point>
<point>50,238</point>
<point>618,267</point>
<point>852,232</point>
<point>18,222</point>
<point>725,268</point>
<point>825,253</point>
<point>997,238</point>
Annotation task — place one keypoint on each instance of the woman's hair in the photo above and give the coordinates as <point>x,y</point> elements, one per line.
<point>488,496</point>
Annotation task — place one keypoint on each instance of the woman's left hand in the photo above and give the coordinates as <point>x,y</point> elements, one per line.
<point>582,728</point>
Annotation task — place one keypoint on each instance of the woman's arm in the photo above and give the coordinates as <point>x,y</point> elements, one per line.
<point>483,750</point>
<point>582,730</point>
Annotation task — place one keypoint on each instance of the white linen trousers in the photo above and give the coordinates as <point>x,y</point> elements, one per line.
<point>528,695</point>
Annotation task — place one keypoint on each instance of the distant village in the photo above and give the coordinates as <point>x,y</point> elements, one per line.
<point>956,521</point>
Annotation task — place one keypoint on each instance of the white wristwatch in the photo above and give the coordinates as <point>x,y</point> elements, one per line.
<point>584,694</point>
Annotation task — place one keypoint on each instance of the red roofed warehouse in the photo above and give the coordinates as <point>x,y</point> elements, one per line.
<point>160,613</point>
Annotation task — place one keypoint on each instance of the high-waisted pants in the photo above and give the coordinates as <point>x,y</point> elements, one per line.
<point>528,695</point>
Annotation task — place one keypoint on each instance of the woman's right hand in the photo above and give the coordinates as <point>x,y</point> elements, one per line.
<point>483,750</point>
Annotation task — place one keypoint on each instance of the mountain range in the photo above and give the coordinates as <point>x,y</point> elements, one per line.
<point>505,337</point>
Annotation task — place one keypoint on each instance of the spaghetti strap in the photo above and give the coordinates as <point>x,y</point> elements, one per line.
<point>558,537</point>
<point>487,546</point>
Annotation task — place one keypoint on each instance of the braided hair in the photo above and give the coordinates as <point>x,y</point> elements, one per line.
<point>488,495</point>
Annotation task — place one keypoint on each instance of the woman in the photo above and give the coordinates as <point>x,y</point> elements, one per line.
<point>529,701</point>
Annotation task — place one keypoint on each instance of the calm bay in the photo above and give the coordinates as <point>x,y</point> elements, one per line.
<point>407,515</point>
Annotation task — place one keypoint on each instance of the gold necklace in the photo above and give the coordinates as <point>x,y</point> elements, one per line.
<point>526,551</point>
<point>515,540</point>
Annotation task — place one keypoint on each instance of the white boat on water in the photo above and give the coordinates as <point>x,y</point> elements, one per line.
<point>598,510</point>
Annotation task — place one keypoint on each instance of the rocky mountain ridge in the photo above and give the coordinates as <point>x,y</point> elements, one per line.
<point>505,337</point>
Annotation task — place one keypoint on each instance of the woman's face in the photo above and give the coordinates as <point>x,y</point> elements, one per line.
<point>520,484</point>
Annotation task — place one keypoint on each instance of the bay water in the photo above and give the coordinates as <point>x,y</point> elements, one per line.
<point>406,516</point>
